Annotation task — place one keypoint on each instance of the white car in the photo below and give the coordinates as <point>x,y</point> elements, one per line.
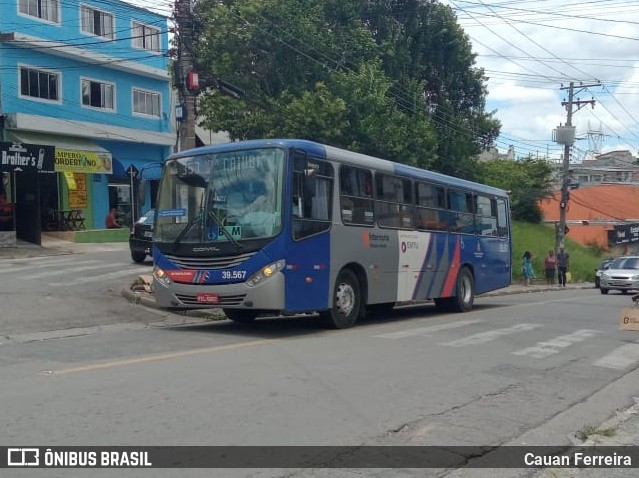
<point>621,275</point>
<point>604,265</point>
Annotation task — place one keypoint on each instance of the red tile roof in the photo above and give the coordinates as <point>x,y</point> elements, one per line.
<point>606,202</point>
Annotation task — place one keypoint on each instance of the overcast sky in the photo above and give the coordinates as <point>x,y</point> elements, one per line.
<point>530,48</point>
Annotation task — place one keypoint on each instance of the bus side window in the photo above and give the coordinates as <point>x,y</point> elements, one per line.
<point>394,201</point>
<point>462,211</point>
<point>502,218</point>
<point>356,196</point>
<point>486,216</point>
<point>431,214</point>
<point>296,206</point>
<point>311,210</point>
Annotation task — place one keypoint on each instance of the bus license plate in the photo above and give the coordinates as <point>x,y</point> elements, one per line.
<point>207,298</point>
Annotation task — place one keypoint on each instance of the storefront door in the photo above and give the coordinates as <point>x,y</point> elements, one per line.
<point>28,206</point>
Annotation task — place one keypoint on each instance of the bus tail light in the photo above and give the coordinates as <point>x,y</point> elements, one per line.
<point>265,272</point>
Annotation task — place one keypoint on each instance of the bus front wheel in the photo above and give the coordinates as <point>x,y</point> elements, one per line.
<point>243,316</point>
<point>347,302</point>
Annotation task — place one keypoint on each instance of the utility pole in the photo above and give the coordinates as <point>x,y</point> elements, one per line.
<point>566,135</point>
<point>184,73</point>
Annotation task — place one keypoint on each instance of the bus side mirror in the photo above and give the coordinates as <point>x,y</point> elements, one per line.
<point>141,192</point>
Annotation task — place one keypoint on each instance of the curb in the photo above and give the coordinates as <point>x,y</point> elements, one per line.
<point>616,423</point>
<point>146,298</point>
<point>521,289</point>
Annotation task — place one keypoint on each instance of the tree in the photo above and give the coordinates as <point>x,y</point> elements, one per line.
<point>528,181</point>
<point>423,41</point>
<point>392,79</point>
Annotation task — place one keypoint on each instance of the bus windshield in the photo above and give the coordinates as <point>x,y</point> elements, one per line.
<point>222,197</point>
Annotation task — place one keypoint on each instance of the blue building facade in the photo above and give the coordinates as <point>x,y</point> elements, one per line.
<point>89,78</point>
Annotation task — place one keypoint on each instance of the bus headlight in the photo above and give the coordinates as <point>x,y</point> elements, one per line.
<point>161,276</point>
<point>266,272</point>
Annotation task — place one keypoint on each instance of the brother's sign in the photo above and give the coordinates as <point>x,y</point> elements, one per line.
<point>26,157</point>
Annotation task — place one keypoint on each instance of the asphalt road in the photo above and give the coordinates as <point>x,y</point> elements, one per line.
<point>528,369</point>
<point>66,291</point>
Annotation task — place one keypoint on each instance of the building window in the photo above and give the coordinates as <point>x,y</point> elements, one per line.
<point>97,95</point>
<point>146,103</point>
<point>39,84</point>
<point>96,22</point>
<point>146,37</point>
<point>45,9</point>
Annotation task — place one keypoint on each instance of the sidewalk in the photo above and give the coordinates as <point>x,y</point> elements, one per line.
<point>55,247</point>
<point>519,288</point>
<point>621,430</point>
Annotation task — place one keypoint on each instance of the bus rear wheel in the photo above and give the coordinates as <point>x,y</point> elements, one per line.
<point>463,301</point>
<point>243,316</point>
<point>347,302</point>
<point>465,290</point>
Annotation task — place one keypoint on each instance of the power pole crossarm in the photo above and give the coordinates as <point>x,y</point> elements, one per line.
<point>579,103</point>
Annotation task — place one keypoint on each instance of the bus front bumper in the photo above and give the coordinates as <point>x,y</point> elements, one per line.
<point>269,295</point>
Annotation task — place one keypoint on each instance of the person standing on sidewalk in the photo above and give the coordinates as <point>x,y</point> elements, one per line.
<point>527,268</point>
<point>563,262</point>
<point>550,264</point>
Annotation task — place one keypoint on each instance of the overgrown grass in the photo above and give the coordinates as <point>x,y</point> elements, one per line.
<point>539,239</point>
<point>590,430</point>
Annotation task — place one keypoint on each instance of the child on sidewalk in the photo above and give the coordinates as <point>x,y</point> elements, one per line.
<point>527,269</point>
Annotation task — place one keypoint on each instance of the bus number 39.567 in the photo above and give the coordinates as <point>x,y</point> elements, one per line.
<point>233,274</point>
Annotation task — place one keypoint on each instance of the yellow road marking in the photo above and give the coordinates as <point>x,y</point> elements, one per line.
<point>155,358</point>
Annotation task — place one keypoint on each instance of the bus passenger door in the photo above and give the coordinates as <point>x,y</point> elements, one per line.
<point>308,254</point>
<point>307,274</point>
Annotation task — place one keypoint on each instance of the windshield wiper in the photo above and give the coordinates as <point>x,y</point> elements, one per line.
<point>221,227</point>
<point>194,220</point>
<point>187,228</point>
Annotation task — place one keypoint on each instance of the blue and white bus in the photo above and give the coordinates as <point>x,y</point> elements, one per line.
<point>292,226</point>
